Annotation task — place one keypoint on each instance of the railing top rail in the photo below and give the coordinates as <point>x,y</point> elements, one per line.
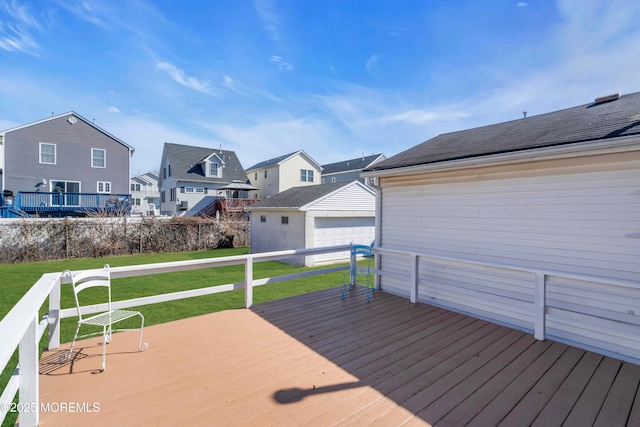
<point>572,276</point>
<point>16,322</point>
<point>165,267</point>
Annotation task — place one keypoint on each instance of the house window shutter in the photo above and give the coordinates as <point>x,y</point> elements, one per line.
<point>206,190</point>
<point>182,189</point>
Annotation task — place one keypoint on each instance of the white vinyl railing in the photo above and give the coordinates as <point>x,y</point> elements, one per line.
<point>21,329</point>
<point>543,304</point>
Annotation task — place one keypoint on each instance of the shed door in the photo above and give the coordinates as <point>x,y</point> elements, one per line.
<point>342,231</point>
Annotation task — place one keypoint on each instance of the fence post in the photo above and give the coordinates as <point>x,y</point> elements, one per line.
<point>53,316</point>
<point>540,306</point>
<point>28,385</point>
<point>248,276</point>
<point>66,236</point>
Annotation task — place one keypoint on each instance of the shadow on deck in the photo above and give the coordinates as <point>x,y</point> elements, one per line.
<point>316,359</point>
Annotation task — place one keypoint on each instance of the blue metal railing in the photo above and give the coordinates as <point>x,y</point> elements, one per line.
<point>37,202</point>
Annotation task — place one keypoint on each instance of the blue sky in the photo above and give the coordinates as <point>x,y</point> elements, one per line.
<point>336,78</point>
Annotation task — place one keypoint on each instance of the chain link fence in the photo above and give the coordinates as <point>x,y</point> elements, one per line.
<point>34,239</point>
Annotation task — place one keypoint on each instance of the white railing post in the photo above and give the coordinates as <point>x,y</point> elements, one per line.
<point>54,316</point>
<point>248,278</point>
<point>540,306</point>
<point>28,385</point>
<point>414,278</point>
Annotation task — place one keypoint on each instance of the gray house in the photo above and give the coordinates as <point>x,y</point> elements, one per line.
<point>189,174</point>
<point>349,170</point>
<point>532,223</point>
<point>65,153</point>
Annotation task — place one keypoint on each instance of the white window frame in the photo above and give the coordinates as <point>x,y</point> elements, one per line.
<point>306,175</point>
<point>103,187</point>
<point>189,190</point>
<point>48,154</point>
<point>200,190</point>
<point>93,158</point>
<point>218,169</point>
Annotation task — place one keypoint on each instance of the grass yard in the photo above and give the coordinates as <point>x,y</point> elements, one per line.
<point>17,279</point>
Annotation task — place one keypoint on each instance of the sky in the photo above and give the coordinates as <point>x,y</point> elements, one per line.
<point>335,78</point>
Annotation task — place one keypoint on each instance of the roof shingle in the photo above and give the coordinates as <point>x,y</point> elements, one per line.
<point>586,122</point>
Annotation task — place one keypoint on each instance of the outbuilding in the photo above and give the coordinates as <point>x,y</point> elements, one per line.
<point>314,216</point>
<point>532,223</point>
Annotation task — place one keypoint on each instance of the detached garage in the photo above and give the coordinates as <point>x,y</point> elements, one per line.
<point>533,224</point>
<point>314,216</point>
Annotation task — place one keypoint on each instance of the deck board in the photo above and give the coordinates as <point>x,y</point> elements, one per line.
<point>316,359</point>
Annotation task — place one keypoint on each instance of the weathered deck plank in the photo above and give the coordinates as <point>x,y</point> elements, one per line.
<point>316,359</point>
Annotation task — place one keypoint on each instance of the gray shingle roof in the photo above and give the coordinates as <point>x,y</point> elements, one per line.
<point>272,161</point>
<point>578,124</point>
<point>297,197</point>
<point>349,165</point>
<point>185,165</point>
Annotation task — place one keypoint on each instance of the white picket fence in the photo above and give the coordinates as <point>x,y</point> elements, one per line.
<point>22,329</point>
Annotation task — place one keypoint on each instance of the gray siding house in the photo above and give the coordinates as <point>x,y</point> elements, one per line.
<point>349,170</point>
<point>532,223</point>
<point>65,153</point>
<point>189,174</point>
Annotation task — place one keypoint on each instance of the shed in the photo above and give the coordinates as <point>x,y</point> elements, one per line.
<point>532,223</point>
<point>314,216</point>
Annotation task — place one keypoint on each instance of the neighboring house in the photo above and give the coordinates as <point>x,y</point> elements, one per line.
<point>500,212</point>
<point>145,196</point>
<point>309,217</point>
<point>188,174</point>
<point>349,170</point>
<point>281,173</point>
<point>64,154</point>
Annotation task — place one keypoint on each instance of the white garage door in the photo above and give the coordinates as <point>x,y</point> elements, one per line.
<point>342,231</point>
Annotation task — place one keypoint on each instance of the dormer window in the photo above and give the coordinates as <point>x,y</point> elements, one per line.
<point>215,171</point>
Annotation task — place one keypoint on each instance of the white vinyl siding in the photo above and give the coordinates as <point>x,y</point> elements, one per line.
<point>581,220</point>
<point>349,198</point>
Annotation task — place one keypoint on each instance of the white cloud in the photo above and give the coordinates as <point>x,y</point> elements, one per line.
<point>282,65</point>
<point>270,19</point>
<point>421,116</point>
<point>113,109</point>
<point>521,4</point>
<point>180,76</point>
<point>16,27</point>
<point>372,63</point>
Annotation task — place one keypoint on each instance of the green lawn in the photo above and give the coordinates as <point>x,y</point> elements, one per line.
<point>16,279</point>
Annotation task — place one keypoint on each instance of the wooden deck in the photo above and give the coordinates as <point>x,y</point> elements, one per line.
<point>317,360</point>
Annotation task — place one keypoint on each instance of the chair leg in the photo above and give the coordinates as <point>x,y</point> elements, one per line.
<point>67,356</point>
<point>104,346</point>
<point>142,346</point>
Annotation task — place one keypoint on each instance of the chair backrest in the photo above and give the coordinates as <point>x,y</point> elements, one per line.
<point>364,250</point>
<point>90,279</point>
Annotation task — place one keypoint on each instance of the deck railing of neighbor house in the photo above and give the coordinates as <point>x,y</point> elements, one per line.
<point>45,202</point>
<point>22,329</point>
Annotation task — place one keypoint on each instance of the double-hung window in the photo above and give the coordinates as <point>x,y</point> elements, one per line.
<point>306,175</point>
<point>47,153</point>
<point>98,158</point>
